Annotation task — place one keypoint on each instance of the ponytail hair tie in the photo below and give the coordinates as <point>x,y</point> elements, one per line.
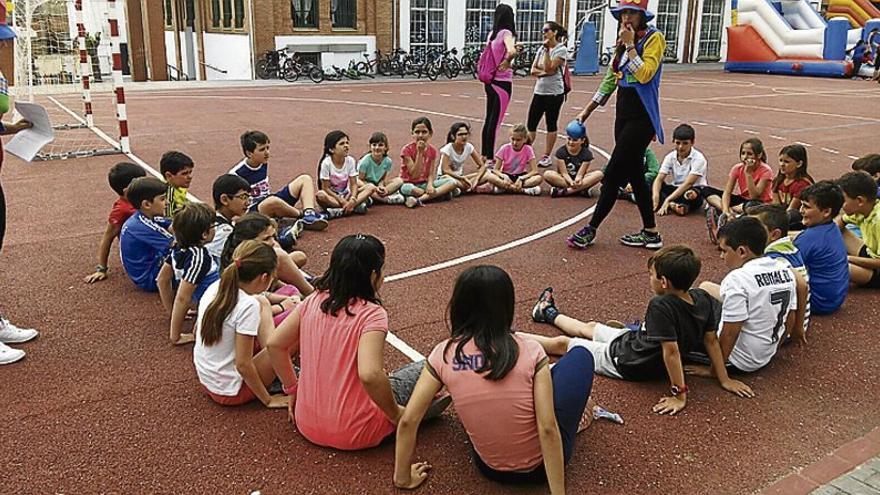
<point>238,263</point>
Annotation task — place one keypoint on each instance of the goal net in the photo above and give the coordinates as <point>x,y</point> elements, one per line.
<point>67,59</point>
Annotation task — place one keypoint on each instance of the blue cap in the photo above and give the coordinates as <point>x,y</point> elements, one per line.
<point>576,130</point>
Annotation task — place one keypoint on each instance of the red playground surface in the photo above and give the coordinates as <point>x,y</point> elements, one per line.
<point>103,403</point>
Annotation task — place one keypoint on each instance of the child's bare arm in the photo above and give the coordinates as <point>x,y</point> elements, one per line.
<point>797,331</point>
<point>409,475</point>
<point>869,263</point>
<point>110,233</point>
<point>178,313</point>
<point>719,368</point>
<point>533,169</point>
<point>581,173</point>
<point>759,188</point>
<point>672,359</point>
<point>166,292</point>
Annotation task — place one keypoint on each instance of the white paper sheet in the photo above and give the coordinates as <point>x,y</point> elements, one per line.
<point>27,143</point>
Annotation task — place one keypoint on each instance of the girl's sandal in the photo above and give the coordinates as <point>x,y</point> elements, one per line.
<point>679,209</point>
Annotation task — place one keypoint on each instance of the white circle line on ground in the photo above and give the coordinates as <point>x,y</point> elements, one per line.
<point>392,339</point>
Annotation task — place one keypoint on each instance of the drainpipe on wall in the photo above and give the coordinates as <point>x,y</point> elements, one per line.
<point>251,39</point>
<point>394,21</point>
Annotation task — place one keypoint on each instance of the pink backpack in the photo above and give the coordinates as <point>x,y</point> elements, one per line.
<point>487,67</point>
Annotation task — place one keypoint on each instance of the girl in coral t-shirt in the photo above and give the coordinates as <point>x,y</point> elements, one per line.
<point>521,423</point>
<point>343,398</point>
<point>791,181</point>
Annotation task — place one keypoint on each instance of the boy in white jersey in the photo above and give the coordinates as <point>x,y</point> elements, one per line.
<point>758,300</point>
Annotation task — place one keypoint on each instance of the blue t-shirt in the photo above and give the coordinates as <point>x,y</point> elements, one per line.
<point>824,253</point>
<point>785,251</point>
<point>143,244</point>
<point>196,266</point>
<point>258,178</point>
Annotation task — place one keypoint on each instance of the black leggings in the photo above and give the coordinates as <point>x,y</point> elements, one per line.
<point>2,216</point>
<point>627,166</point>
<point>546,106</point>
<point>497,98</point>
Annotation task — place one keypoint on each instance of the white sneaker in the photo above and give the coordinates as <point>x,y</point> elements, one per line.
<point>395,199</point>
<point>545,161</point>
<point>9,355</point>
<point>533,191</point>
<point>334,212</point>
<point>11,334</point>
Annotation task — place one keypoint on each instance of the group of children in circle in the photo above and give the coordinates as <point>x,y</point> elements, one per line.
<point>235,269</point>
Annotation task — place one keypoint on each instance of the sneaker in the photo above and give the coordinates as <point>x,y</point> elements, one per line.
<point>313,221</point>
<point>545,161</point>
<point>395,199</point>
<point>594,192</point>
<point>497,190</point>
<point>9,355</point>
<point>650,240</point>
<point>712,224</point>
<point>333,213</point>
<point>484,188</point>
<point>369,202</point>
<point>544,300</point>
<point>583,238</point>
<point>438,405</point>
<point>288,235</point>
<point>456,192</point>
<point>412,202</point>
<point>556,192</point>
<point>533,191</point>
<point>11,334</point>
<point>361,208</point>
<point>621,193</point>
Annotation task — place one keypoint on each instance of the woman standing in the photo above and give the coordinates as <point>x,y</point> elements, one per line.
<point>9,333</point>
<point>549,92</point>
<point>502,50</point>
<point>635,74</point>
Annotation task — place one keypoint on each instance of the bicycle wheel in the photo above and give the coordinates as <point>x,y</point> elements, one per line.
<point>433,71</point>
<point>452,68</point>
<point>316,74</point>
<point>384,67</point>
<point>605,59</point>
<point>363,68</point>
<point>263,71</point>
<point>290,71</point>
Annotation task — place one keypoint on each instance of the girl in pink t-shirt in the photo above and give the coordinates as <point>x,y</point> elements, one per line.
<point>751,178</point>
<point>337,177</point>
<point>515,163</point>
<point>418,172</point>
<point>502,389</point>
<point>343,398</point>
<point>791,181</point>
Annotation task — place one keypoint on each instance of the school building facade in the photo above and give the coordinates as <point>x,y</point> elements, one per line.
<point>223,39</point>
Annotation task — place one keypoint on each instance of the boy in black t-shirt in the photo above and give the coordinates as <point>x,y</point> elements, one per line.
<point>679,320</point>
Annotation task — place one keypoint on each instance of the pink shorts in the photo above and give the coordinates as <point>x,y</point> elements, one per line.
<point>243,396</point>
<point>287,290</point>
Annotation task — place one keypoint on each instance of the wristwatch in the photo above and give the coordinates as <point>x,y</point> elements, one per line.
<point>676,390</point>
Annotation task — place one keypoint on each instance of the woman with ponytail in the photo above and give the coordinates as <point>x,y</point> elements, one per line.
<point>233,321</point>
<point>549,93</point>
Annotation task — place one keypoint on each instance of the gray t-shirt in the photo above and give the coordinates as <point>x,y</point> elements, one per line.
<point>551,85</point>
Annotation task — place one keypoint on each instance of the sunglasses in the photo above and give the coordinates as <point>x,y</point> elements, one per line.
<point>243,196</point>
<point>546,30</point>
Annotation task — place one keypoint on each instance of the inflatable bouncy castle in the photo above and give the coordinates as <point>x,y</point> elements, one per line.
<point>789,37</point>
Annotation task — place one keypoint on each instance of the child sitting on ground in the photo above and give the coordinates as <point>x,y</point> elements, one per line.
<point>455,153</point>
<point>374,169</point>
<point>177,170</point>
<point>233,318</point>
<point>231,197</point>
<point>254,168</point>
<point>758,302</point>
<point>572,162</point>
<point>779,247</point>
<point>688,168</point>
<point>338,191</point>
<point>751,177</point>
<point>419,169</point>
<point>120,176</point>
<point>515,163</point>
<point>343,398</point>
<point>190,267</point>
<point>521,415</point>
<point>791,181</point>
<point>679,320</point>
<point>869,163</point>
<point>652,168</point>
<point>822,248</point>
<point>862,209</point>
<point>144,240</point>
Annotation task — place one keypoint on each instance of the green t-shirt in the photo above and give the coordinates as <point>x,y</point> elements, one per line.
<point>870,227</point>
<point>652,166</point>
<point>373,171</point>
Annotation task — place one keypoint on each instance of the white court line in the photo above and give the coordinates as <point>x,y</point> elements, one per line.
<point>749,131</point>
<point>829,150</point>
<point>808,145</point>
<point>725,127</point>
<point>700,123</point>
<point>852,157</point>
<point>779,138</point>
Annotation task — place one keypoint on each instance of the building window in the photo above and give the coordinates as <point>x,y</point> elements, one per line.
<point>710,31</point>
<point>343,13</point>
<point>169,14</point>
<point>304,13</point>
<point>478,21</point>
<point>427,26</point>
<point>668,12</point>
<point>594,10</point>
<point>226,15</point>
<point>530,18</point>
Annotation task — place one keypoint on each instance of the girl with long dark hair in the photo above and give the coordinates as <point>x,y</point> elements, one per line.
<point>503,49</point>
<point>522,423</point>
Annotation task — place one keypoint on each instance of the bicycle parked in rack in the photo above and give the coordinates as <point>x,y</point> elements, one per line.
<point>294,67</point>
<point>377,65</point>
<point>469,60</point>
<point>271,65</point>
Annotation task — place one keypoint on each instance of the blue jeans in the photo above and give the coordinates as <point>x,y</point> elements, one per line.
<point>572,384</point>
